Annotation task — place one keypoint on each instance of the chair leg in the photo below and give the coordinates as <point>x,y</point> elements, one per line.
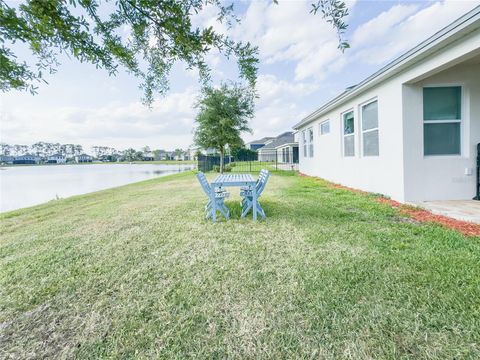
<point>246,208</point>
<point>261,211</point>
<point>224,210</point>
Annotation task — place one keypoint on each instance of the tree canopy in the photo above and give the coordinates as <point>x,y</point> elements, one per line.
<point>223,116</point>
<point>146,37</point>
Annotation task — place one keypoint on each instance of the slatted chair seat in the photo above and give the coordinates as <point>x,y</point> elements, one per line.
<point>219,198</point>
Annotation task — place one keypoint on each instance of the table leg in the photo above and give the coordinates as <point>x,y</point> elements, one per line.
<point>254,197</point>
<point>214,203</point>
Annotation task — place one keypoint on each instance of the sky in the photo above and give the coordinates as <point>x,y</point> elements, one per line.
<point>300,68</point>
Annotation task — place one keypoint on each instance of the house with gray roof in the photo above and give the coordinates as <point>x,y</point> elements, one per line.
<point>27,159</point>
<point>57,159</point>
<point>257,144</point>
<point>281,149</point>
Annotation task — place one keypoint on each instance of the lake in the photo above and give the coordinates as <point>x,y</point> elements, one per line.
<point>22,186</point>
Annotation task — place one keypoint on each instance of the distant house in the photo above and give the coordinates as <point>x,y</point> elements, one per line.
<point>282,149</point>
<point>411,130</point>
<point>193,152</point>
<point>257,144</point>
<point>26,159</point>
<point>149,156</point>
<point>160,155</point>
<point>179,156</point>
<point>57,159</point>
<point>83,158</point>
<point>6,159</point>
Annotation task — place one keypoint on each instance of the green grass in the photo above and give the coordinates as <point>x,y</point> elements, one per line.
<point>135,272</point>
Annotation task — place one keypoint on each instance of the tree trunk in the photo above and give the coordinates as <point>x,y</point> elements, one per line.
<point>222,155</point>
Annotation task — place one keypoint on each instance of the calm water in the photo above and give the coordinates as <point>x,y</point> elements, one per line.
<point>24,186</point>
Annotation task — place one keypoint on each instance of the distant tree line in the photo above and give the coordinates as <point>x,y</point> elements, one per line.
<point>44,149</point>
<point>41,149</point>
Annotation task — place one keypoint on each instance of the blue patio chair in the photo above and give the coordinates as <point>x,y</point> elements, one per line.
<point>220,196</point>
<point>247,195</point>
<point>262,174</point>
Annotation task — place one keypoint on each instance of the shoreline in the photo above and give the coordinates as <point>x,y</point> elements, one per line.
<point>66,198</point>
<point>159,162</point>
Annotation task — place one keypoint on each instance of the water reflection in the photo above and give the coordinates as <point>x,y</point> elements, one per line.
<point>24,186</point>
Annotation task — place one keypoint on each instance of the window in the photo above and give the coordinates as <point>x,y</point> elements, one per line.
<point>310,142</point>
<point>348,134</point>
<point>325,127</point>
<point>441,120</point>
<point>370,129</point>
<point>304,143</point>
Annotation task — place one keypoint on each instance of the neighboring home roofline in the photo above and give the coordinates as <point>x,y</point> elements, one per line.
<point>260,141</point>
<point>457,29</point>
<point>287,144</point>
<point>284,138</point>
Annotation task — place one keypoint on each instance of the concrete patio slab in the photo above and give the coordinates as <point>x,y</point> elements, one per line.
<point>466,210</point>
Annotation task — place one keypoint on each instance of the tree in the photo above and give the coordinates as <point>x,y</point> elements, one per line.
<point>178,153</point>
<point>223,116</point>
<point>243,154</point>
<point>130,155</point>
<point>159,34</point>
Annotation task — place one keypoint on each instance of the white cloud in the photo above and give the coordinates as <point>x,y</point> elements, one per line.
<point>277,108</point>
<point>288,32</point>
<point>402,27</point>
<point>166,125</point>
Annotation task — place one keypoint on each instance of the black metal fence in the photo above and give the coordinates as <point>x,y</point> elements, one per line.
<point>272,160</point>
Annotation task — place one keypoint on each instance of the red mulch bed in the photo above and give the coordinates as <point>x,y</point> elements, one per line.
<point>418,214</point>
<point>422,215</point>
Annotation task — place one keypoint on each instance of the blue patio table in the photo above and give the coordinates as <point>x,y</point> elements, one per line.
<point>225,180</point>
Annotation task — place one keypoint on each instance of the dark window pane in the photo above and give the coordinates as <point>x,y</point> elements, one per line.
<point>442,103</point>
<point>370,116</point>
<point>370,143</point>
<point>441,139</point>
<point>348,123</point>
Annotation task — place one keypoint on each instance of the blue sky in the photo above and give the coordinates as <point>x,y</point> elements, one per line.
<point>300,68</point>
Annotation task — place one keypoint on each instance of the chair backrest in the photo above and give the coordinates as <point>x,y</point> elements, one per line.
<point>262,182</point>
<point>202,179</point>
<point>262,175</point>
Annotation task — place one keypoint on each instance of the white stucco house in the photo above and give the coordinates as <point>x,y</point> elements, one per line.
<point>409,131</point>
<point>83,158</point>
<point>57,159</point>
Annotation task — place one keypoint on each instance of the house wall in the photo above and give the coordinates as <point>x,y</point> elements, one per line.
<point>381,174</point>
<point>442,177</point>
<point>399,171</point>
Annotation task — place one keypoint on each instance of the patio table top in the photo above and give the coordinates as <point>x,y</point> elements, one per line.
<point>233,180</point>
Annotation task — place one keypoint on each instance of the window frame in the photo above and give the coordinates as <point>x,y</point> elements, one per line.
<point>448,121</point>
<point>320,127</point>
<point>311,142</point>
<point>362,132</point>
<point>353,134</point>
<point>304,143</point>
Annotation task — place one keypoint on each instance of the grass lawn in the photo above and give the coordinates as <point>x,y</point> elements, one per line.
<point>135,272</point>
